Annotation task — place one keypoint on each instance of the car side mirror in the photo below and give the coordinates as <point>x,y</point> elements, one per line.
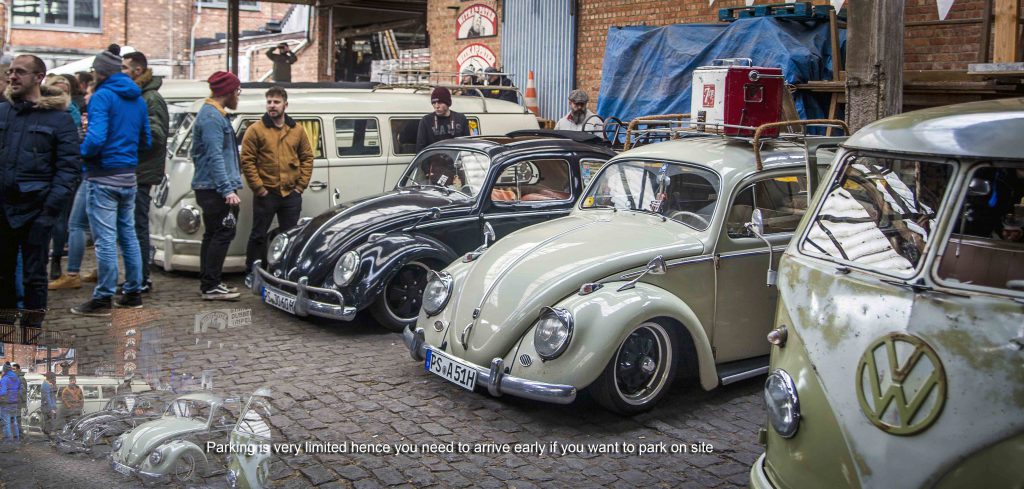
<point>435,213</point>
<point>489,235</point>
<point>979,187</point>
<point>756,224</point>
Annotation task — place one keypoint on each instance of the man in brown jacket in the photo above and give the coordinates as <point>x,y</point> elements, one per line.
<point>277,162</point>
<point>72,400</point>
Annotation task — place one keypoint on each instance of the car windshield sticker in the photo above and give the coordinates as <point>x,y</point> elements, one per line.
<point>443,180</point>
<point>474,127</point>
<point>588,202</point>
<point>588,169</point>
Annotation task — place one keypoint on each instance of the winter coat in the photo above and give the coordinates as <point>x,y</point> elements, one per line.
<point>507,95</point>
<point>276,158</point>
<point>39,162</point>
<point>151,163</point>
<point>118,128</point>
<point>49,399</point>
<point>214,151</point>
<point>282,64</point>
<point>71,396</point>
<point>10,388</point>
<point>23,393</point>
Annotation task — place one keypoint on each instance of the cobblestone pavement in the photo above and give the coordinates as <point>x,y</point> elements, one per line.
<point>356,385</point>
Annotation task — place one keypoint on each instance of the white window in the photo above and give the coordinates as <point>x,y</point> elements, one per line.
<point>82,14</point>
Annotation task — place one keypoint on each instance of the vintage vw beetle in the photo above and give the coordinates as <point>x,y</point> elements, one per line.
<point>122,413</point>
<point>899,335</point>
<point>655,271</point>
<point>377,252</point>
<point>173,447</point>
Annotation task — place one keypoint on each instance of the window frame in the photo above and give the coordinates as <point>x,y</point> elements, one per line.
<point>394,142</point>
<point>750,185</point>
<point>334,131</point>
<point>839,169</point>
<point>519,201</point>
<point>224,4</point>
<point>69,27</point>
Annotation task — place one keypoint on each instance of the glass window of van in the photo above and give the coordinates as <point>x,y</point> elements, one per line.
<point>108,391</point>
<point>986,246</point>
<point>91,392</point>
<point>404,131</point>
<point>879,213</point>
<point>357,136</point>
<point>782,201</point>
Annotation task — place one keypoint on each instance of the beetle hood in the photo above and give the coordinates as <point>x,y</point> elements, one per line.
<point>315,248</point>
<point>540,265</point>
<point>138,443</point>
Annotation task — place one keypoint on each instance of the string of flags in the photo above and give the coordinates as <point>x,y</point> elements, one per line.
<point>943,5</point>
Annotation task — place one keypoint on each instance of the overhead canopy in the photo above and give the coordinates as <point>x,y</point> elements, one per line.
<point>648,70</point>
<point>84,64</point>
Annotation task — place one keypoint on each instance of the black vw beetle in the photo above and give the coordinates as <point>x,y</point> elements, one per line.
<point>456,197</point>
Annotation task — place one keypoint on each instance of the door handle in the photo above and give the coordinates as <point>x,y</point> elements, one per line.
<point>336,197</point>
<point>318,185</point>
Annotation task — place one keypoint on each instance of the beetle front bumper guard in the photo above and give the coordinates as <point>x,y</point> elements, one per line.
<point>497,381</point>
<point>304,305</point>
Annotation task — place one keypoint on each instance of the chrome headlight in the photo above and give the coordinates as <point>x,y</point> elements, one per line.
<point>87,436</point>
<point>156,457</point>
<point>189,219</point>
<point>437,292</point>
<point>232,478</point>
<point>346,268</point>
<point>553,332</point>
<point>117,444</point>
<point>277,247</point>
<point>783,404</point>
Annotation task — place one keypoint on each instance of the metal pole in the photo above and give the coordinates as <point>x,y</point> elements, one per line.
<point>233,34</point>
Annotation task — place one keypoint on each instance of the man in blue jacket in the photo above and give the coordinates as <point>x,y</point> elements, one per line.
<point>48,403</point>
<point>216,180</point>
<point>118,129</point>
<point>39,169</point>
<point>10,389</point>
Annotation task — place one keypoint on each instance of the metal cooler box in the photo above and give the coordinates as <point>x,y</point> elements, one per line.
<point>734,93</point>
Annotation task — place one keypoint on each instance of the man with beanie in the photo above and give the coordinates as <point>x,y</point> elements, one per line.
<point>216,179</point>
<point>151,163</point>
<point>39,168</point>
<point>443,123</point>
<point>118,129</point>
<point>496,78</point>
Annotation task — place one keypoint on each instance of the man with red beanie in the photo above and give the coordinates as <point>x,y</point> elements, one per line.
<point>216,179</point>
<point>443,123</point>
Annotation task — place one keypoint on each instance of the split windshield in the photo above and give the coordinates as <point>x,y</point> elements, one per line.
<point>449,169</point>
<point>683,193</point>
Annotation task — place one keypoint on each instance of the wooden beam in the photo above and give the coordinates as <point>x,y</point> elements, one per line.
<point>233,35</point>
<point>1006,32</point>
<point>874,61</point>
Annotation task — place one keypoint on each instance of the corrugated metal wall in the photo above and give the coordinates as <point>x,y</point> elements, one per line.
<point>540,35</point>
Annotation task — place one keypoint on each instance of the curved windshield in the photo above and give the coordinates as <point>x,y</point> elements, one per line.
<point>450,169</point>
<point>189,408</point>
<point>679,192</point>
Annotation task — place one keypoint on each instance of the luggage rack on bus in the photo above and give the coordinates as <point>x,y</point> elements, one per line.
<point>399,79</point>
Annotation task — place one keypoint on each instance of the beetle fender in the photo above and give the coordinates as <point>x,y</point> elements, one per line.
<point>602,320</point>
<point>172,452</point>
<point>381,260</point>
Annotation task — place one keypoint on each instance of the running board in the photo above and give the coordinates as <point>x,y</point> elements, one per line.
<point>742,369</point>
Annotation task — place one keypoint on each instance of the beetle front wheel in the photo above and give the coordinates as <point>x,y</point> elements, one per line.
<point>641,370</point>
<point>399,303</point>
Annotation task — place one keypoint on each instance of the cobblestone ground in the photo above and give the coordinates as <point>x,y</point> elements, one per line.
<point>356,384</point>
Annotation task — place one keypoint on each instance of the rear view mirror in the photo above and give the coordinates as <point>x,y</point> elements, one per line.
<point>489,235</point>
<point>979,187</point>
<point>756,224</point>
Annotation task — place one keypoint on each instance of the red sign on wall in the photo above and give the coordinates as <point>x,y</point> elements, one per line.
<point>478,20</point>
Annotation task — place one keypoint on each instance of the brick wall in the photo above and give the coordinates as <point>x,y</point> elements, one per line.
<point>27,355</point>
<point>441,27</point>
<point>941,47</point>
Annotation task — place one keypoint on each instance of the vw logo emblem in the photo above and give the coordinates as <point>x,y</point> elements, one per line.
<point>901,385</point>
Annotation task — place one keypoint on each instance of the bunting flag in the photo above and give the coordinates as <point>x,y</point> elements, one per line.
<point>838,4</point>
<point>711,2</point>
<point>944,6</point>
<point>750,2</point>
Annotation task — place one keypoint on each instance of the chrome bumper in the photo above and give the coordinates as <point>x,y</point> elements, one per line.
<point>147,477</point>
<point>495,378</point>
<point>304,306</point>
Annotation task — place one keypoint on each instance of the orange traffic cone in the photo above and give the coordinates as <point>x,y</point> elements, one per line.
<point>531,96</point>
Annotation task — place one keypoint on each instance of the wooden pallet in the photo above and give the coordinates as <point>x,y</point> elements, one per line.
<point>791,11</point>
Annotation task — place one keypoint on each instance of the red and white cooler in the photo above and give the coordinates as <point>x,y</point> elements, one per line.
<point>734,93</point>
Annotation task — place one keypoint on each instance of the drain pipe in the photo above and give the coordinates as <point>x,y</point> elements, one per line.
<point>192,42</point>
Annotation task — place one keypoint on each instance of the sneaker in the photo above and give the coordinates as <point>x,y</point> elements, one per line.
<point>91,276</point>
<point>228,287</point>
<point>66,281</point>
<point>131,300</point>
<point>93,307</point>
<point>219,293</point>
<point>248,280</point>
<point>55,272</point>
<point>147,286</point>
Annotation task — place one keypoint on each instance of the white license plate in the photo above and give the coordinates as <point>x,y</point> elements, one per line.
<point>279,300</point>
<point>121,468</point>
<point>452,370</point>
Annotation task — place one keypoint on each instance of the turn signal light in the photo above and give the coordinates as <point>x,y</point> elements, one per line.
<point>778,336</point>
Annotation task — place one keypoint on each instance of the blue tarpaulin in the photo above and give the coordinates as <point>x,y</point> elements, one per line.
<point>648,70</point>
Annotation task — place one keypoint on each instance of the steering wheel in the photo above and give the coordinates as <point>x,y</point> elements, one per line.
<point>677,214</point>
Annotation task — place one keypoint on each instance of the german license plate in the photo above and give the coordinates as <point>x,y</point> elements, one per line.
<point>121,468</point>
<point>450,369</point>
<point>281,301</point>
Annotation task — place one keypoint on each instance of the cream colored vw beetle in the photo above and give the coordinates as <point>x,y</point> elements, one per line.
<point>656,273</point>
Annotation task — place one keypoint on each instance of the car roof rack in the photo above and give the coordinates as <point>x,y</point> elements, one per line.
<point>429,80</point>
<point>324,85</point>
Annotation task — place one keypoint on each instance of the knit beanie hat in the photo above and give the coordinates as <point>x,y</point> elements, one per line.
<point>441,94</point>
<point>223,83</point>
<point>108,62</point>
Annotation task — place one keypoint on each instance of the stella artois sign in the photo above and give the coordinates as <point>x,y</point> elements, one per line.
<point>476,57</point>
<point>478,20</point>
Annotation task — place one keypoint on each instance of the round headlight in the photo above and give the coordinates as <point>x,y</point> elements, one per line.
<point>783,404</point>
<point>437,292</point>
<point>277,247</point>
<point>156,457</point>
<point>553,332</point>
<point>189,219</point>
<point>117,444</point>
<point>346,268</point>
<point>232,478</point>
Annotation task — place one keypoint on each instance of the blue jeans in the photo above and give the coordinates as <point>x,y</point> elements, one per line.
<point>78,224</point>
<point>111,213</point>
<point>9,415</point>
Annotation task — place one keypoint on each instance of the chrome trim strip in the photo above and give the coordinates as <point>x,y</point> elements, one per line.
<point>498,383</point>
<point>671,264</point>
<point>157,237</point>
<point>440,221</point>
<point>743,375</point>
<point>760,251</point>
<point>304,306</point>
